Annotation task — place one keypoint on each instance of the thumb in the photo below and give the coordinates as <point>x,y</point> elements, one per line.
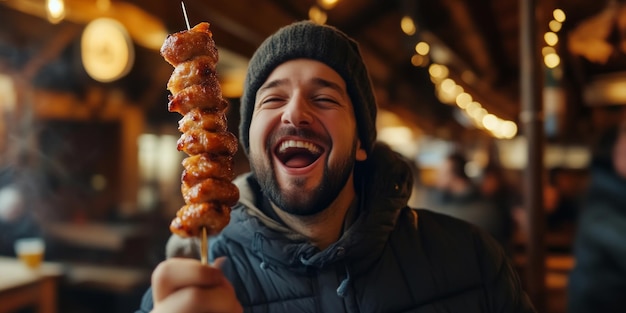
<point>219,262</point>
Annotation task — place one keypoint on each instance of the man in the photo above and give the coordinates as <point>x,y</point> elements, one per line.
<point>322,224</point>
<point>458,196</point>
<point>598,280</point>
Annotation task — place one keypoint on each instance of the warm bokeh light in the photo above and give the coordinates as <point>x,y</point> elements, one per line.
<point>327,4</point>
<point>508,129</point>
<point>469,77</point>
<point>555,26</point>
<point>103,5</point>
<point>463,100</point>
<point>407,25</point>
<point>438,72</point>
<point>559,15</point>
<point>55,10</point>
<point>491,122</point>
<point>448,90</point>
<point>393,131</point>
<point>422,48</point>
<point>552,60</point>
<point>447,85</point>
<point>478,115</point>
<point>8,96</point>
<point>551,38</point>
<point>547,50</point>
<point>317,15</point>
<point>419,60</point>
<point>473,106</point>
<point>107,52</point>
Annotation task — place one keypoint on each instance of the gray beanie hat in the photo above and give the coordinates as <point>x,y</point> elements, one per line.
<point>323,43</point>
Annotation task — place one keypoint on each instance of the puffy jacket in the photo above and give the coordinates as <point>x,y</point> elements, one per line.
<point>391,259</point>
<point>597,282</point>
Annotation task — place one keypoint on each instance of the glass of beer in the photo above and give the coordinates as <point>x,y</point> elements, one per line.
<point>30,251</point>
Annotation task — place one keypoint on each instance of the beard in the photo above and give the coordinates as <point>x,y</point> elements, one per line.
<point>297,201</point>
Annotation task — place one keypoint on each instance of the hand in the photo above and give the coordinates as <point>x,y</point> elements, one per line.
<point>185,285</point>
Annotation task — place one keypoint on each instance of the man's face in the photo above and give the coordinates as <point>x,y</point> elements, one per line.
<point>303,138</point>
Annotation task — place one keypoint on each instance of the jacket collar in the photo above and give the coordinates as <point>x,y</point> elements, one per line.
<point>384,185</point>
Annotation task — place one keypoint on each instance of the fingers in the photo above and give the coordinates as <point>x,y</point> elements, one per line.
<point>187,286</point>
<point>200,300</point>
<point>176,273</point>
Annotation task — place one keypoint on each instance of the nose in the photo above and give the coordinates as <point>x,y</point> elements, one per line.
<point>297,112</point>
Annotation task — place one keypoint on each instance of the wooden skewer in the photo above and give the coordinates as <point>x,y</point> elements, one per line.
<point>204,243</point>
<point>204,248</point>
<point>185,14</point>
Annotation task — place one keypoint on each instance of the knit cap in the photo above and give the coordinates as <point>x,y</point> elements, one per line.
<point>323,43</point>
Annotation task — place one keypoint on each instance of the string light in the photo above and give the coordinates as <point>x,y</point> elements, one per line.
<point>407,25</point>
<point>559,15</point>
<point>449,92</point>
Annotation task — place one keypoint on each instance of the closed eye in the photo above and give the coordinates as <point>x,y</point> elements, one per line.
<point>272,102</point>
<point>326,101</point>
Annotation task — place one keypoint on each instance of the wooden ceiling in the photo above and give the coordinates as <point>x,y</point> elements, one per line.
<point>480,37</point>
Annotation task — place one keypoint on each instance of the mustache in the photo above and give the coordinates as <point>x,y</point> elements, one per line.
<point>305,133</point>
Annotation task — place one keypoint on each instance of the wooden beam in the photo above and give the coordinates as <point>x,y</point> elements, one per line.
<point>531,117</point>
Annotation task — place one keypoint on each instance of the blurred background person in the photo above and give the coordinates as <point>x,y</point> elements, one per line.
<point>598,281</point>
<point>562,200</point>
<point>498,190</point>
<point>16,221</point>
<point>456,194</point>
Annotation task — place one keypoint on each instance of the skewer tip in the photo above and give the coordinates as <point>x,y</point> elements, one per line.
<point>185,14</point>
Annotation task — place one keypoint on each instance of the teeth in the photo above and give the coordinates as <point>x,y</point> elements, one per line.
<point>299,144</point>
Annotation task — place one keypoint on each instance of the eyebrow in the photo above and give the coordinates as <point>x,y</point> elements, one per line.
<point>272,84</point>
<point>317,81</point>
<point>327,83</point>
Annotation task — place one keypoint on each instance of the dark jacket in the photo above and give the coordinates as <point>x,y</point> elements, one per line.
<point>391,259</point>
<point>598,281</point>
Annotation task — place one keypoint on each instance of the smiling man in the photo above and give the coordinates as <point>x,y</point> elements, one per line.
<point>303,147</point>
<point>322,224</point>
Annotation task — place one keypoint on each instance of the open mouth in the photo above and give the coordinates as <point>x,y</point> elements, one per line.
<point>297,153</point>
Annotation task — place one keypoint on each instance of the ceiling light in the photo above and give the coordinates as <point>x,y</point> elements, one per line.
<point>55,10</point>
<point>107,51</point>
<point>327,4</point>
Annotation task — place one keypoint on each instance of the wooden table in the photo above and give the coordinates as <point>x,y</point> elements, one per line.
<point>21,287</point>
<point>102,236</point>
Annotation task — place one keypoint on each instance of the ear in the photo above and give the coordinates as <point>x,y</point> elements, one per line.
<point>361,154</point>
